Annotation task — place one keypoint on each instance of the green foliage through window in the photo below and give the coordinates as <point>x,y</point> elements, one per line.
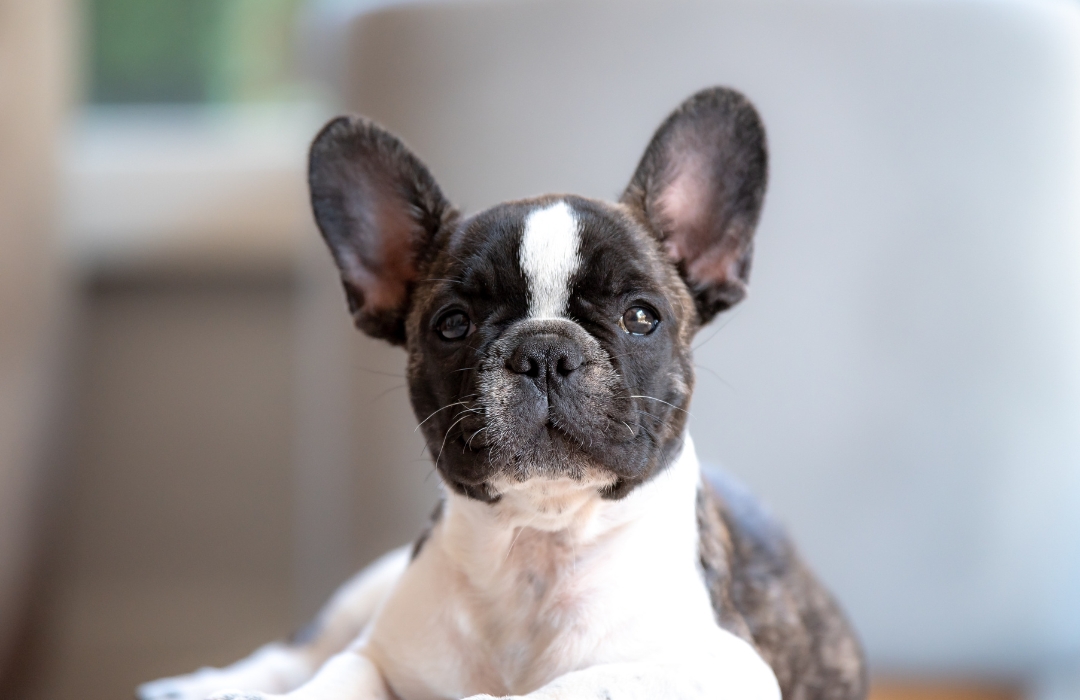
<point>191,50</point>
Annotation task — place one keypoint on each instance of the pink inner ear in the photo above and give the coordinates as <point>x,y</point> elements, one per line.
<point>394,265</point>
<point>684,209</point>
<point>381,266</point>
<point>718,266</point>
<point>693,236</point>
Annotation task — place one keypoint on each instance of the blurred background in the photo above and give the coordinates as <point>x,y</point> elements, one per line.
<point>196,447</point>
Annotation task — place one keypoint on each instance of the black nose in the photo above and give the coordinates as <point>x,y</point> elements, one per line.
<point>546,356</point>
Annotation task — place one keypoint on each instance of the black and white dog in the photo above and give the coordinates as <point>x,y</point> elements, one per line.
<point>579,553</point>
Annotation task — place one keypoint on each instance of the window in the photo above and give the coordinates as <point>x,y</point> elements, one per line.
<point>190,51</point>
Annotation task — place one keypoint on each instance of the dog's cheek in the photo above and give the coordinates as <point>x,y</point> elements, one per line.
<point>505,414</point>
<point>602,402</point>
<point>421,391</point>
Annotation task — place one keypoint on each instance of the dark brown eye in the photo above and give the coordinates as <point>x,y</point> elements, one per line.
<point>639,320</point>
<point>453,326</point>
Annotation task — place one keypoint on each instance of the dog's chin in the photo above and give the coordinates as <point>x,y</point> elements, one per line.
<point>551,503</point>
<point>494,467</point>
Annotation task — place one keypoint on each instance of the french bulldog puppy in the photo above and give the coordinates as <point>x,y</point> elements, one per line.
<point>579,551</point>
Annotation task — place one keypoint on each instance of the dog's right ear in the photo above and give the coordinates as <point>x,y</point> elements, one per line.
<point>379,210</point>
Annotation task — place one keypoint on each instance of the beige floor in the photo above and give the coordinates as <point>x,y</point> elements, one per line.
<point>913,689</point>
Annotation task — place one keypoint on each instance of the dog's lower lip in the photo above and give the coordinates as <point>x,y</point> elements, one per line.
<point>473,442</point>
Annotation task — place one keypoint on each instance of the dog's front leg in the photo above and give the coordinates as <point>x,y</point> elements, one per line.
<point>736,673</point>
<point>350,675</point>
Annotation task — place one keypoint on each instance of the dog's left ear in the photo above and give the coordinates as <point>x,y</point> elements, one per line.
<point>700,185</point>
<point>379,210</point>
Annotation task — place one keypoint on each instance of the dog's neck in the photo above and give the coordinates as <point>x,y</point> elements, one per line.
<point>569,519</point>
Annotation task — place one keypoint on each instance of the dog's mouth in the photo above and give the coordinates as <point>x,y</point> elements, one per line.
<point>477,439</point>
<point>479,446</point>
<point>610,449</point>
<point>538,419</point>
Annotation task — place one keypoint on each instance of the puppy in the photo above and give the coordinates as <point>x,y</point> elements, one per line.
<point>579,551</point>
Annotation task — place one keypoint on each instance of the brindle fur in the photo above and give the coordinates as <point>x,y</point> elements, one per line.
<point>763,592</point>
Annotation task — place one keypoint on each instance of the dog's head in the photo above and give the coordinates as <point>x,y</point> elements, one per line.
<point>548,337</point>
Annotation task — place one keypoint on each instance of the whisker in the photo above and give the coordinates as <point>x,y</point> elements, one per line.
<point>653,398</point>
<point>621,354</point>
<point>463,411</point>
<point>651,415</point>
<point>650,434</point>
<point>446,435</point>
<point>716,374</point>
<point>456,403</point>
<point>384,393</point>
<point>720,328</point>
<point>380,372</point>
<point>468,443</point>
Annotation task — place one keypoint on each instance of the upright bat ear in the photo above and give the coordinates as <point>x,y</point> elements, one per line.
<point>379,210</point>
<point>700,186</point>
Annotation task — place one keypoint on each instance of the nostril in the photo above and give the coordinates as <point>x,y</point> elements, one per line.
<point>568,362</point>
<point>546,355</point>
<point>523,362</point>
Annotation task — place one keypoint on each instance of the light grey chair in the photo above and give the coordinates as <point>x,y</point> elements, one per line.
<point>903,384</point>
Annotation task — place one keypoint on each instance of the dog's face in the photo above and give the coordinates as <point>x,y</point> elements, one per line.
<point>557,335</point>
<point>550,337</point>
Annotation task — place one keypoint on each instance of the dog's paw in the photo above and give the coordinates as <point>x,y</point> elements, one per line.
<point>238,695</point>
<point>190,687</point>
<point>201,685</point>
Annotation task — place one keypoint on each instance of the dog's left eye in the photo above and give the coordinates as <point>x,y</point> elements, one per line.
<point>639,320</point>
<point>454,325</point>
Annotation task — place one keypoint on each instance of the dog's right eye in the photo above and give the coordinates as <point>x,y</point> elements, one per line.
<point>454,325</point>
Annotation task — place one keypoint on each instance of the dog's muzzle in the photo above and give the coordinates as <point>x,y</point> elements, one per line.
<point>550,400</point>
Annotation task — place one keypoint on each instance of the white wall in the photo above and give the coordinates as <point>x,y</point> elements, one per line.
<point>902,385</point>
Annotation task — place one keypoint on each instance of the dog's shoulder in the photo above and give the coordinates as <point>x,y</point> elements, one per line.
<point>763,592</point>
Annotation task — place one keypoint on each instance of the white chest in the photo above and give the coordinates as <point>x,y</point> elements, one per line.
<point>502,601</point>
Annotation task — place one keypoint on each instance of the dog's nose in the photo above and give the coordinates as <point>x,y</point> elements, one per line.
<point>547,355</point>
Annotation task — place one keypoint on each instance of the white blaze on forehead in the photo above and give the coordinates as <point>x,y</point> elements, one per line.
<point>549,258</point>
